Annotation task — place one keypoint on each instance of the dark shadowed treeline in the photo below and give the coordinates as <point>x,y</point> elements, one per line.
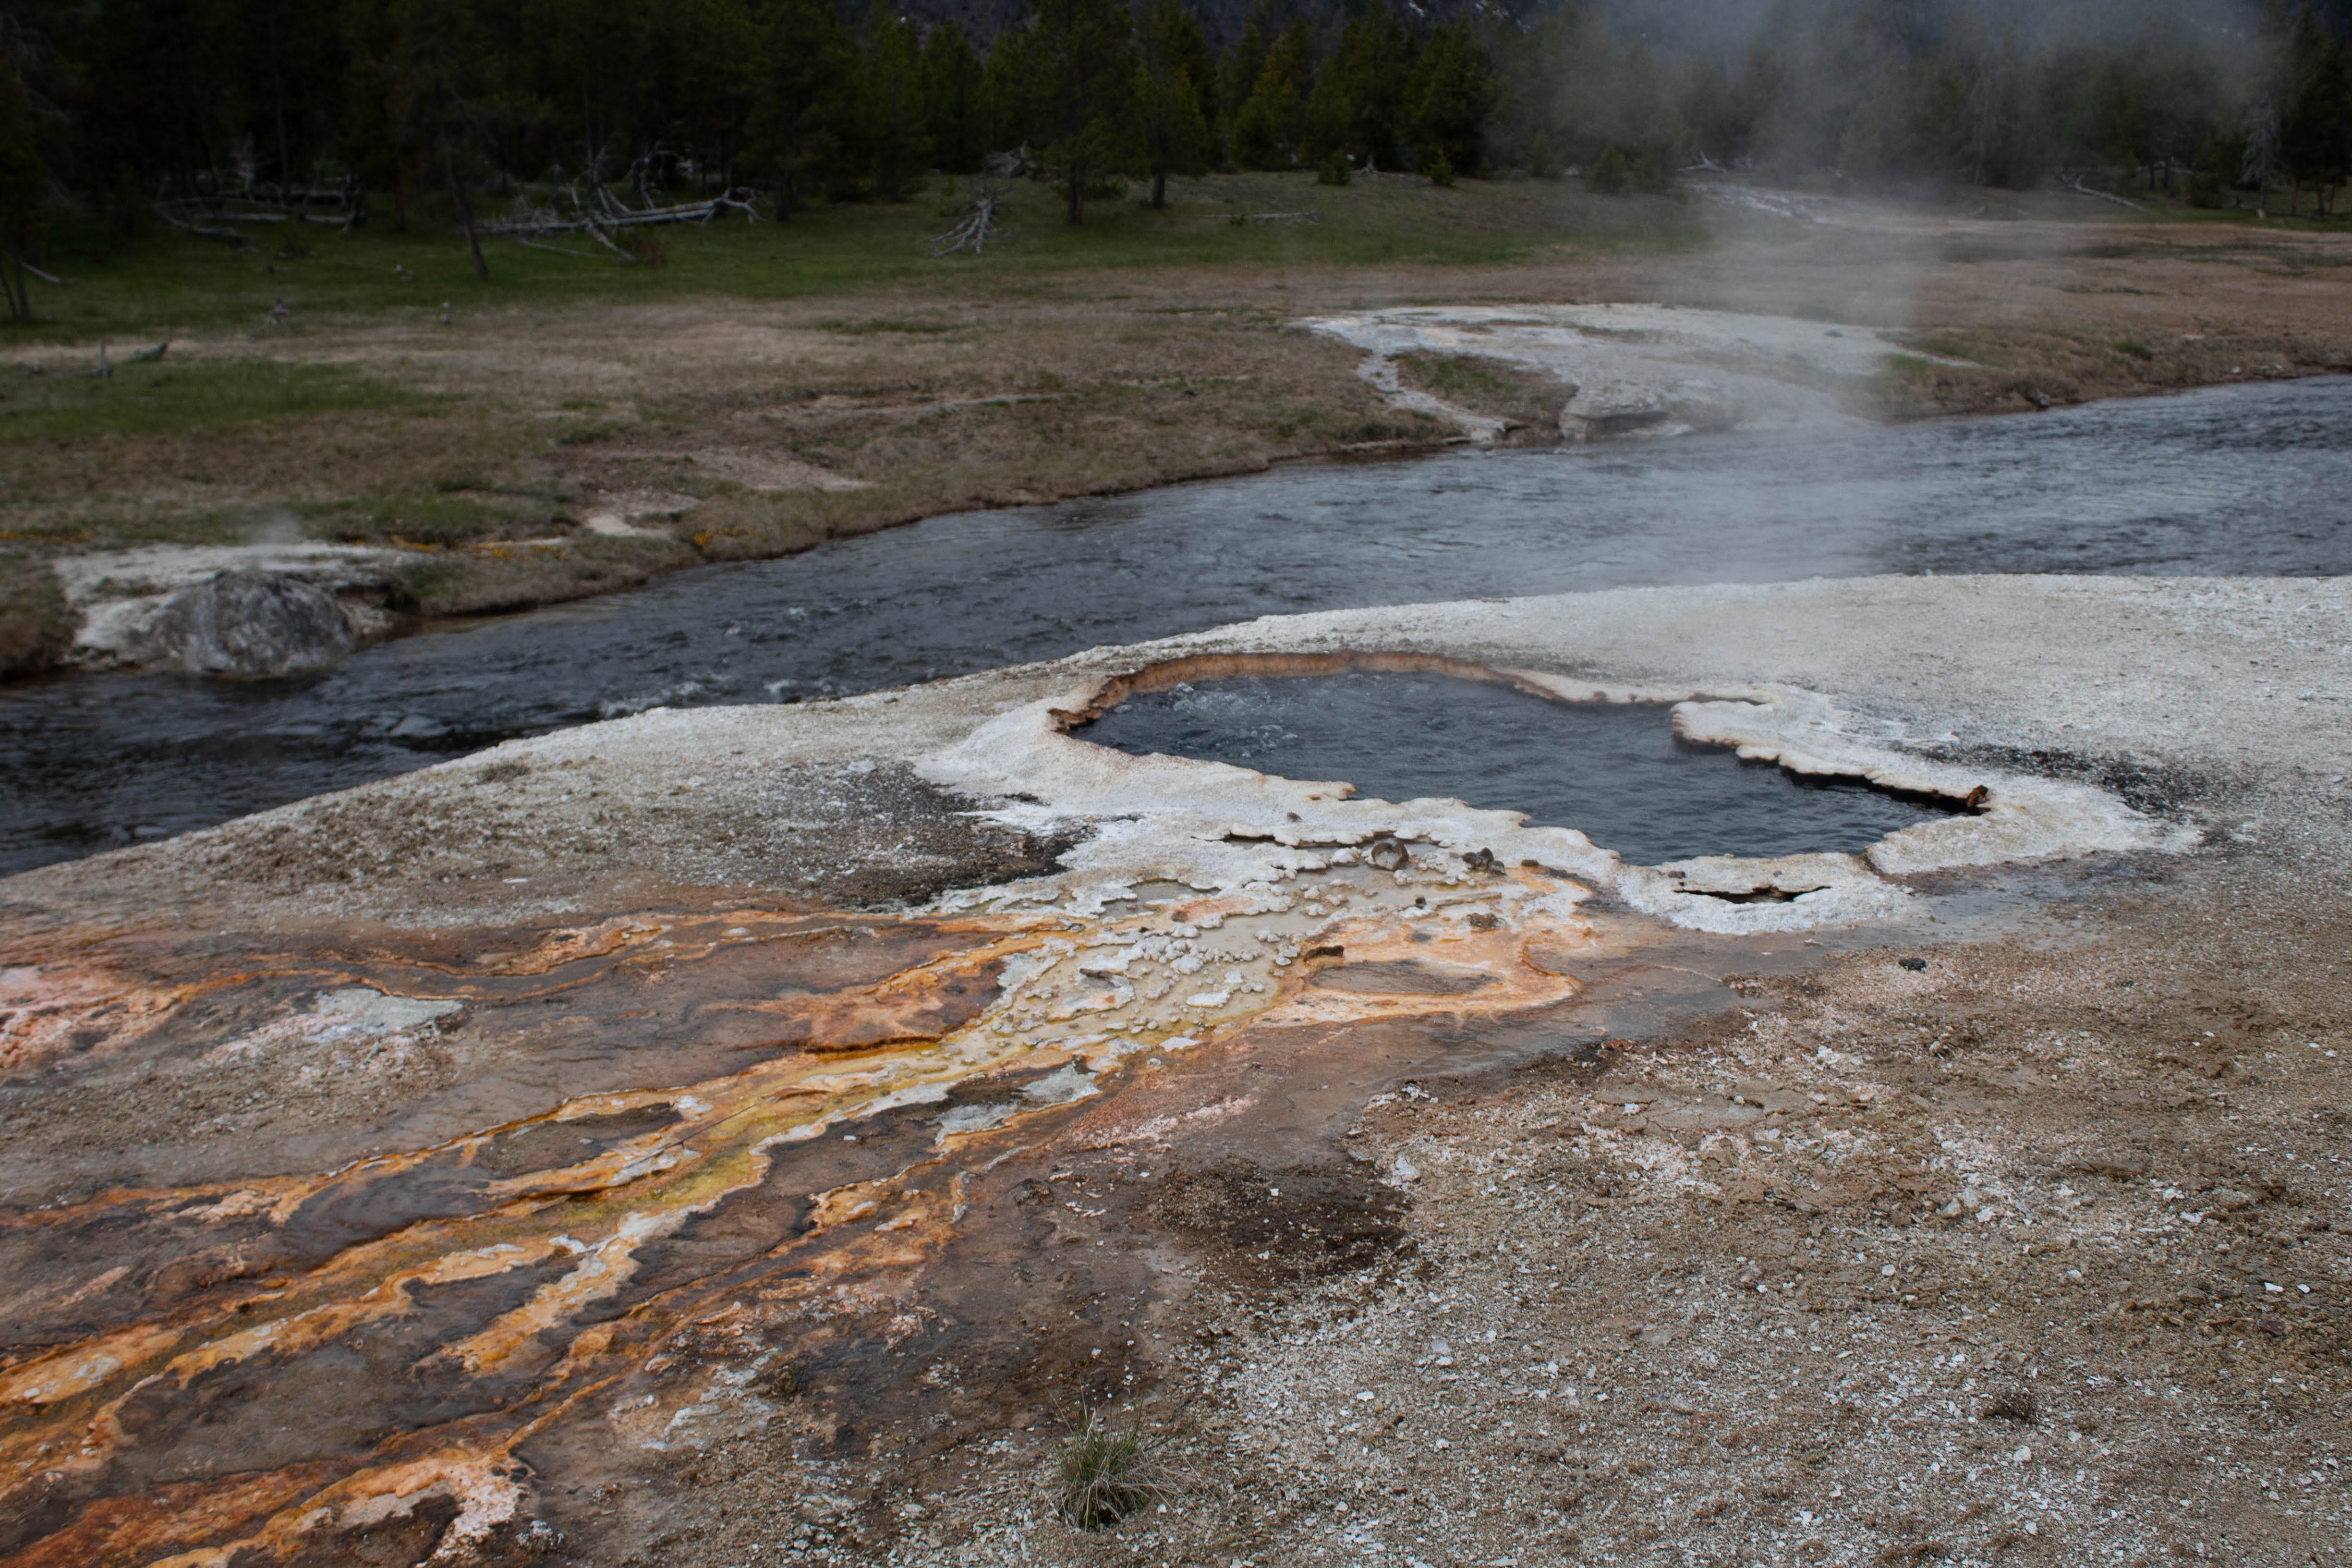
<point>108,108</point>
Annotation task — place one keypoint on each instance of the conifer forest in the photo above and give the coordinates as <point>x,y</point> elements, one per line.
<point>378,109</point>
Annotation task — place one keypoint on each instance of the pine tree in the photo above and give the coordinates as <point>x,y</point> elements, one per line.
<point>1448,99</point>
<point>1172,130</point>
<point>2315,131</point>
<point>1237,71</point>
<point>894,131</point>
<point>719,79</point>
<point>585,59</point>
<point>281,70</point>
<point>1271,125</point>
<point>20,190</point>
<point>1068,82</point>
<point>1358,106</point>
<point>805,66</point>
<point>955,101</point>
<point>436,76</point>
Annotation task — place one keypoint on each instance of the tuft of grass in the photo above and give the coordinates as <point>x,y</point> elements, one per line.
<point>36,624</point>
<point>1106,1470</point>
<point>2133,347</point>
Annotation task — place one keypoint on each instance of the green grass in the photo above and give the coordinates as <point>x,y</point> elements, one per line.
<point>168,397</point>
<point>1501,390</point>
<point>169,282</point>
<point>440,520</point>
<point>1103,1470</point>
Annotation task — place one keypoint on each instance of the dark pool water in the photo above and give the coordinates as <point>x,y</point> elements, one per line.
<point>1613,772</point>
<point>2228,481</point>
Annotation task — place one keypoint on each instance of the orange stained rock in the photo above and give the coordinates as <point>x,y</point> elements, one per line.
<point>911,1036</point>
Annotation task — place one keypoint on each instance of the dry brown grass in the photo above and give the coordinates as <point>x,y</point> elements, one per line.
<point>35,625</point>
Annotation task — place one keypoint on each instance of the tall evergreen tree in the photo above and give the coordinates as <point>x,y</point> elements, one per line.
<point>955,101</point>
<point>1270,127</point>
<point>2315,131</point>
<point>894,130</point>
<point>1172,129</point>
<point>1069,76</point>
<point>1448,99</point>
<point>797,133</point>
<point>20,189</point>
<point>719,79</point>
<point>1358,106</point>
<point>1238,69</point>
<point>436,77</point>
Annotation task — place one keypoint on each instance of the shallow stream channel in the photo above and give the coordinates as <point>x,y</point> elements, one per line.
<point>2231,481</point>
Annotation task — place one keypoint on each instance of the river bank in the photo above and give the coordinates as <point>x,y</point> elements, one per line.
<point>527,453</point>
<point>750,1127</point>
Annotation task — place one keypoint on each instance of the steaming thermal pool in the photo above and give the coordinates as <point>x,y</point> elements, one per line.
<point>1614,772</point>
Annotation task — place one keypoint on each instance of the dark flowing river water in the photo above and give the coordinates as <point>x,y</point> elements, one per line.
<point>2229,481</point>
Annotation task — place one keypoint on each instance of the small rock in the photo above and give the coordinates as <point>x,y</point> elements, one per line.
<point>1913,964</point>
<point>1389,855</point>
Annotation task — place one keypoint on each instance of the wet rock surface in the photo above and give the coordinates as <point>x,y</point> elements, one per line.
<point>247,624</point>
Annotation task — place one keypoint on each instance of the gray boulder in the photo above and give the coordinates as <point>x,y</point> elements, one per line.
<point>1613,409</point>
<point>249,626</point>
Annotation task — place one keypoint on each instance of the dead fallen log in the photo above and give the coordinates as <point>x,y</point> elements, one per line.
<point>2082,190</point>
<point>613,214</point>
<point>973,230</point>
<point>226,236</point>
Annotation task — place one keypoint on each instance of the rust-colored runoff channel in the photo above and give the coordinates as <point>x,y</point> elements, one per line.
<point>429,1240</point>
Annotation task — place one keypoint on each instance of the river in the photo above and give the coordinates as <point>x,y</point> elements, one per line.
<point>2228,481</point>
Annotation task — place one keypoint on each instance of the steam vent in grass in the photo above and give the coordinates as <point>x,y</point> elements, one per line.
<point>760,1120</point>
